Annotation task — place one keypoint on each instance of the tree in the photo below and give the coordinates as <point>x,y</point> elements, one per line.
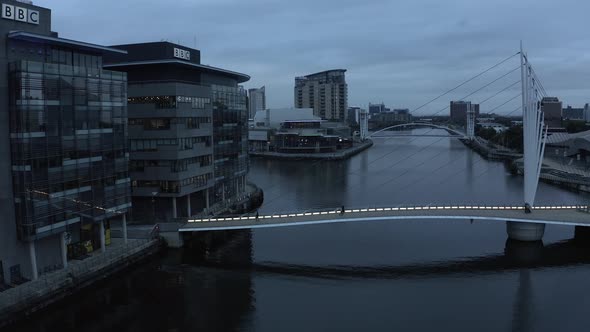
<point>512,138</point>
<point>485,133</point>
<point>572,126</point>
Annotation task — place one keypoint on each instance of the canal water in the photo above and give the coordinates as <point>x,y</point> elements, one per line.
<point>366,276</point>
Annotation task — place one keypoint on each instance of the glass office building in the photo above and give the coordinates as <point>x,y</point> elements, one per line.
<point>187,131</point>
<point>68,142</point>
<point>64,153</point>
<point>230,137</point>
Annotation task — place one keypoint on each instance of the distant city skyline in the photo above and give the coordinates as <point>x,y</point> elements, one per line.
<point>401,53</point>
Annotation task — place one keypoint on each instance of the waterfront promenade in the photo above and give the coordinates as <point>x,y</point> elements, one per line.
<point>31,296</point>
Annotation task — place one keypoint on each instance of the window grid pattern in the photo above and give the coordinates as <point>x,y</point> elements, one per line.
<point>230,138</point>
<point>68,128</point>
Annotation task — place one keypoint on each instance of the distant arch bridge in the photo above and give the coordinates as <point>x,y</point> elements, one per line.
<point>451,132</point>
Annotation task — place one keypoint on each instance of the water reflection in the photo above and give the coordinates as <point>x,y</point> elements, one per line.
<point>170,293</point>
<point>208,286</point>
<point>517,255</point>
<point>414,270</point>
<point>526,254</point>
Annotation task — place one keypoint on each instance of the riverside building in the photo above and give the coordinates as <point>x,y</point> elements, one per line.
<point>296,130</point>
<point>458,111</point>
<point>188,130</point>
<point>325,92</point>
<point>63,149</point>
<point>256,101</point>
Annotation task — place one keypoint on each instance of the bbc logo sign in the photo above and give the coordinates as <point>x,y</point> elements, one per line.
<point>182,54</point>
<point>10,12</point>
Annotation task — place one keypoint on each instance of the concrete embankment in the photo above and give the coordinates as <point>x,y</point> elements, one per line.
<point>564,182</point>
<point>19,302</point>
<point>551,172</point>
<point>484,149</point>
<point>555,175</point>
<point>339,155</point>
<point>168,230</point>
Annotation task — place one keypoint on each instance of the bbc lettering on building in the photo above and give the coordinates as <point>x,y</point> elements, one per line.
<point>182,54</point>
<point>12,12</point>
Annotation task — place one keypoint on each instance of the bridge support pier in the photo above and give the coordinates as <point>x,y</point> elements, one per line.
<point>582,234</point>
<point>525,231</point>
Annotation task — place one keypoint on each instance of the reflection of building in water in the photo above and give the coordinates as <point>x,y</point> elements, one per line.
<point>525,254</point>
<point>308,183</point>
<point>219,248</point>
<point>219,297</point>
<point>523,303</point>
<point>328,177</point>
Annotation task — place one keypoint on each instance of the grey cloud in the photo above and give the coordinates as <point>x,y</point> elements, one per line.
<point>400,52</point>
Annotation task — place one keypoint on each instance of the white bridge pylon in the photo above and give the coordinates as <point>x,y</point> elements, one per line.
<point>534,129</point>
<point>470,121</point>
<point>453,132</point>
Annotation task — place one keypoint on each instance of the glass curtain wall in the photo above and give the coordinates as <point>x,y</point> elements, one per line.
<point>230,140</point>
<point>68,128</point>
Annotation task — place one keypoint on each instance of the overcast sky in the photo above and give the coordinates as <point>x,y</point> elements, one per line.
<point>403,53</point>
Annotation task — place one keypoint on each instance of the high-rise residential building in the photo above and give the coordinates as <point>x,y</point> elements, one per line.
<point>256,101</point>
<point>552,108</point>
<point>458,111</point>
<point>587,112</point>
<point>63,153</point>
<point>326,92</point>
<point>188,130</point>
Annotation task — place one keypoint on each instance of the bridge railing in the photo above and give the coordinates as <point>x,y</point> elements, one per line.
<point>358,209</point>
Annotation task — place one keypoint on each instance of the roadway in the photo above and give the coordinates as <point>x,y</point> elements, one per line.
<point>558,215</point>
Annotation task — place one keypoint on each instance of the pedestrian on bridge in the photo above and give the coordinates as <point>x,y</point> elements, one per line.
<point>256,214</point>
<point>342,210</point>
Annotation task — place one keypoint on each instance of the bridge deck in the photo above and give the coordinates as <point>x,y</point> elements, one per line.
<point>559,215</point>
<point>416,135</point>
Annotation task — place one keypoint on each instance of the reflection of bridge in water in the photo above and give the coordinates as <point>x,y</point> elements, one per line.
<point>517,265</point>
<point>517,255</point>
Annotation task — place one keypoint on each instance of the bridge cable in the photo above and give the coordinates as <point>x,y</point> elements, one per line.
<point>435,170</point>
<point>449,106</point>
<point>386,154</point>
<point>408,157</point>
<point>465,82</point>
<point>269,202</point>
<point>464,168</point>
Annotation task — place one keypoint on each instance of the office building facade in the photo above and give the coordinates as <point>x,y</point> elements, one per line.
<point>296,130</point>
<point>354,115</point>
<point>552,108</point>
<point>256,101</point>
<point>458,111</point>
<point>573,113</point>
<point>187,130</point>
<point>391,118</point>
<point>63,153</point>
<point>326,92</point>
<point>377,108</point>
